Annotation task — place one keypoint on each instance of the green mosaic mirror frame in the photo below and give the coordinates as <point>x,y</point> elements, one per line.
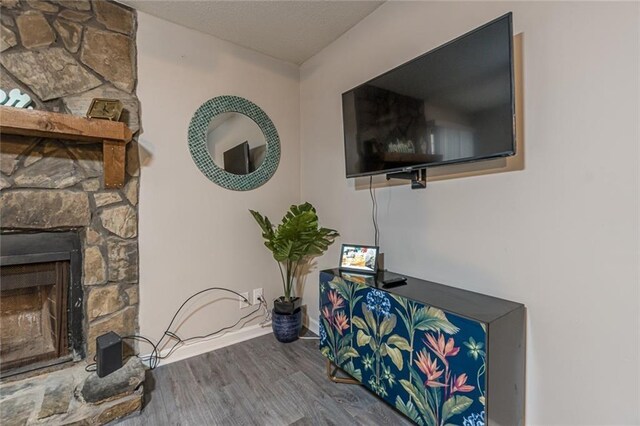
<point>200,153</point>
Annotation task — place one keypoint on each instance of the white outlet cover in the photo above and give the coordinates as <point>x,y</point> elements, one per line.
<point>257,292</point>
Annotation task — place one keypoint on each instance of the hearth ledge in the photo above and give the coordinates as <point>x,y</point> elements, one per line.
<point>60,397</point>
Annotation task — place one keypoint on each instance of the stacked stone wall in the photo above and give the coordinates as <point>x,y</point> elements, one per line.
<point>64,54</point>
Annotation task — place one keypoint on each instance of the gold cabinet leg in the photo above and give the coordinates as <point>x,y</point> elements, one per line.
<point>332,369</point>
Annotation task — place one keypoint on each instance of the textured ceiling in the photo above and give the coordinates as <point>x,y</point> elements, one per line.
<point>289,30</point>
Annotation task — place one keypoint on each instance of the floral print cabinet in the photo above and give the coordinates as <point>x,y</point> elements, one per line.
<point>439,355</point>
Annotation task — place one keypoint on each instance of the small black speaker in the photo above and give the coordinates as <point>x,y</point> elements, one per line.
<point>108,353</point>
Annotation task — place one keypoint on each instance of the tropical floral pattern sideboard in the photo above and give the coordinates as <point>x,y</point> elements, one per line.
<point>429,361</point>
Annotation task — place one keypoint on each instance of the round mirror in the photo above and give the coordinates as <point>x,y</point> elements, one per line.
<point>234,143</point>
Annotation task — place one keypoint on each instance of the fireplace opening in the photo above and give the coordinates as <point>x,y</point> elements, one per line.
<point>32,313</point>
<point>40,301</point>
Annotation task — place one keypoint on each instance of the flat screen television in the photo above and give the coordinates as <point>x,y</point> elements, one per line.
<point>453,104</point>
<point>237,159</point>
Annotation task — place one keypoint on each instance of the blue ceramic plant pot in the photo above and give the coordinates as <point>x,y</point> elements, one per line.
<point>286,327</point>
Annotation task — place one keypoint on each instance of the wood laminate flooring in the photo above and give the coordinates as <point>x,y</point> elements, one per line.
<point>257,382</point>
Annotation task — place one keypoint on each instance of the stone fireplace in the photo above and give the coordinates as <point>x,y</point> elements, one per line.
<point>63,54</point>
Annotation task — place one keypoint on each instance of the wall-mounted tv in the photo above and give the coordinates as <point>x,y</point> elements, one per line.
<point>453,104</point>
<point>237,159</point>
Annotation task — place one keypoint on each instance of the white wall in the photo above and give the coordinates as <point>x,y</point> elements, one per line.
<point>560,236</point>
<point>193,233</point>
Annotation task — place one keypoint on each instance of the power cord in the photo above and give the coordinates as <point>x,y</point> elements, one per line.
<point>374,211</point>
<point>88,368</point>
<point>199,293</point>
<point>267,312</point>
<point>206,336</point>
<point>154,357</point>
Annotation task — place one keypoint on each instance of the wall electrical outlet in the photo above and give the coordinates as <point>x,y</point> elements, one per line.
<point>244,304</point>
<point>257,295</point>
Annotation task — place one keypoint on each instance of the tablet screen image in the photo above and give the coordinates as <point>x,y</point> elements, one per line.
<point>359,258</point>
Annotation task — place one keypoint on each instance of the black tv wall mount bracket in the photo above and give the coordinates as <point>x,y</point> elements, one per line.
<point>417,177</point>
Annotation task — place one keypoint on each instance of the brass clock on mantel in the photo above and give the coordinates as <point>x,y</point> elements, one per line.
<point>105,109</point>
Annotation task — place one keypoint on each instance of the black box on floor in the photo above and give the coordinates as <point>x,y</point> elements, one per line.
<point>108,353</point>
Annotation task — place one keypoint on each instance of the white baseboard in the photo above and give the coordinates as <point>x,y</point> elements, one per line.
<point>314,326</point>
<point>204,346</point>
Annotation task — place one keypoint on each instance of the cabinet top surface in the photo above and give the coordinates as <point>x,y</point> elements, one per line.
<point>476,306</point>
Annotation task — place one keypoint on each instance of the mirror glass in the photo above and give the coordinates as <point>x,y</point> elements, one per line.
<point>236,143</point>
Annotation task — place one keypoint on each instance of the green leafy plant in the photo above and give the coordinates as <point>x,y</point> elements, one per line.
<point>293,241</point>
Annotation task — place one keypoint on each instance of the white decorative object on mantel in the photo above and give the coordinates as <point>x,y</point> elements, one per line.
<point>15,99</point>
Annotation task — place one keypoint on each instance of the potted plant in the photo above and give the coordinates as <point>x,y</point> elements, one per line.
<point>292,243</point>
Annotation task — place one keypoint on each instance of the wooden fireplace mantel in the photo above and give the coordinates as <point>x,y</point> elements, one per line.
<point>114,136</point>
